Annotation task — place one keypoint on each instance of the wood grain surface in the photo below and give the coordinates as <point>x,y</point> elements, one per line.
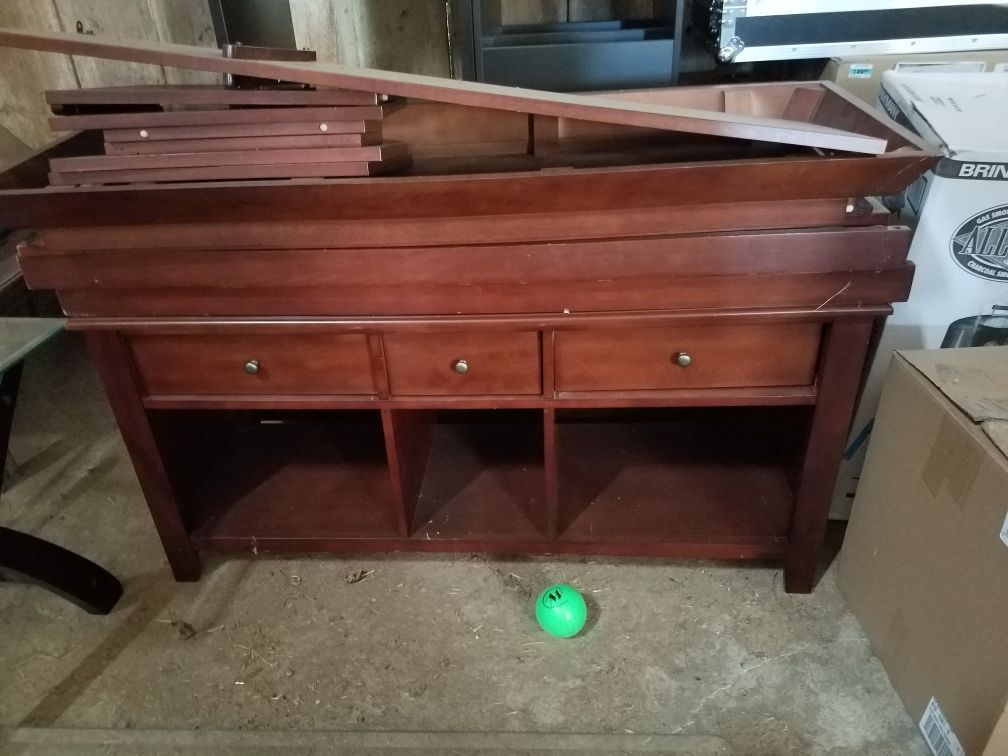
<point>242,130</point>
<point>720,357</point>
<point>233,116</point>
<point>222,144</point>
<point>209,95</point>
<point>288,364</point>
<point>442,90</point>
<point>372,153</point>
<point>320,169</point>
<point>815,251</point>
<point>497,363</point>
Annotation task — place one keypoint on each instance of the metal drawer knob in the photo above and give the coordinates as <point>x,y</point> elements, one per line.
<point>461,366</point>
<point>252,367</point>
<point>683,359</point>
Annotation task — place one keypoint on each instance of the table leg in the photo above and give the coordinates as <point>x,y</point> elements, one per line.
<point>839,379</point>
<point>115,366</point>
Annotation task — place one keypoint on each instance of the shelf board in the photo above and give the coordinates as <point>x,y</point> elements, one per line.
<point>484,481</point>
<point>670,482</point>
<point>295,480</point>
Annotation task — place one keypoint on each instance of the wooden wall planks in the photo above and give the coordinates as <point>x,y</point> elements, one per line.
<point>397,35</point>
<point>25,76</point>
<point>100,17</point>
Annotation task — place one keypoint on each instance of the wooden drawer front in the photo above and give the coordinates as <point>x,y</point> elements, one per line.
<point>281,364</point>
<point>494,363</point>
<point>717,356</point>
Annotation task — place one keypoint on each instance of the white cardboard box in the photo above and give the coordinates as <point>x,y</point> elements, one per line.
<point>960,289</point>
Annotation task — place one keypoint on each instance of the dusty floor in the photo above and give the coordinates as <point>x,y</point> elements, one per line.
<point>433,654</point>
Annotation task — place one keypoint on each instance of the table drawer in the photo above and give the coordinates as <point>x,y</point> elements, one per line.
<point>623,359</point>
<point>463,363</point>
<point>241,364</point>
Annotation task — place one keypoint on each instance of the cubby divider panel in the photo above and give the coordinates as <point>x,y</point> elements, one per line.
<point>484,477</point>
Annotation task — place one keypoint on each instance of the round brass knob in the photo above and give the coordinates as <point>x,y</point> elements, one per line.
<point>683,359</point>
<point>461,367</point>
<point>252,367</point>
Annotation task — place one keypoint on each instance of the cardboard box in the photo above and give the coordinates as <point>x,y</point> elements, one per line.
<point>924,566</point>
<point>862,76</point>
<point>960,245</point>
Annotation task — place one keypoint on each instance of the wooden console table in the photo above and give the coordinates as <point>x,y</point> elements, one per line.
<point>547,336</point>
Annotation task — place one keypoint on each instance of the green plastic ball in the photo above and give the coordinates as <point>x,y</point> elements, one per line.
<point>561,611</point>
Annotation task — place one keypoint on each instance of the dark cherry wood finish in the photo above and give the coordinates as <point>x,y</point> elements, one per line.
<point>456,359</point>
<point>845,348</point>
<point>144,120</point>
<point>243,362</point>
<point>462,364</point>
<point>214,144</point>
<point>209,95</point>
<point>117,371</point>
<point>239,131</point>
<point>711,357</point>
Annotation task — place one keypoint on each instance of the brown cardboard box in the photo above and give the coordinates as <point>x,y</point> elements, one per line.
<point>862,76</point>
<point>924,566</point>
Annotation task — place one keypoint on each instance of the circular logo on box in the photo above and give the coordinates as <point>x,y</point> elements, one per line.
<point>980,244</point>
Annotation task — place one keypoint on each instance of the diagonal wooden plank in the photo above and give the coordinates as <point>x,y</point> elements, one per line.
<point>452,91</point>
<point>209,95</point>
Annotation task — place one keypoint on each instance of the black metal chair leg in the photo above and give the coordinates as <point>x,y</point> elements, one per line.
<point>10,382</point>
<point>26,558</point>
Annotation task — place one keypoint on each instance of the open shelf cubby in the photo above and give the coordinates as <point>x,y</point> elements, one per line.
<point>483,477</point>
<point>253,476</point>
<point>678,476</point>
<point>675,481</point>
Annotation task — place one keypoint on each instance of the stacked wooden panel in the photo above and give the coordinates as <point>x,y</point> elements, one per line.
<point>191,133</point>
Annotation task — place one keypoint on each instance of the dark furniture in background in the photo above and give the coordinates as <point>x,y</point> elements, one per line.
<point>564,57</point>
<point>570,56</point>
<point>263,23</point>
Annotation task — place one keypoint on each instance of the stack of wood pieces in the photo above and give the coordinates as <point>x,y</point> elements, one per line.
<point>209,133</point>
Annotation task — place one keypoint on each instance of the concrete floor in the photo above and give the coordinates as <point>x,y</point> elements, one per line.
<point>425,654</point>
